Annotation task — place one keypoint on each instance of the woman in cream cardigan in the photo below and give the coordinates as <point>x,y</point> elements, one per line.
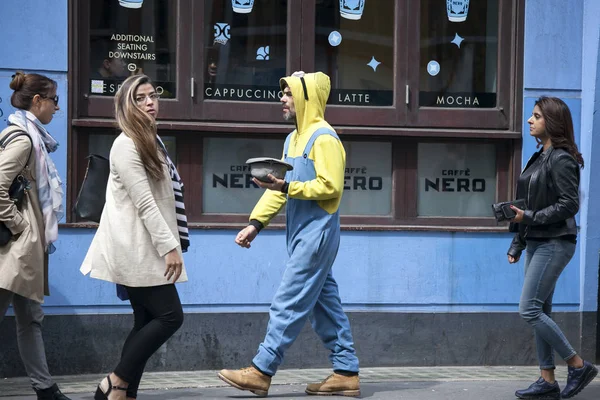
<point>142,233</point>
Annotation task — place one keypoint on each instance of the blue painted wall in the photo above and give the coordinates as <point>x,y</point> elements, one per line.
<point>553,43</point>
<point>403,271</point>
<point>34,35</point>
<point>590,145</point>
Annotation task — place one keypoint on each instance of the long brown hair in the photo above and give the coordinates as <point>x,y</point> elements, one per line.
<point>139,125</point>
<point>26,86</point>
<point>559,125</point>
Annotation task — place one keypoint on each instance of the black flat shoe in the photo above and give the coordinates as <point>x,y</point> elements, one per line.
<point>100,395</point>
<point>540,390</point>
<point>578,379</point>
<point>52,393</point>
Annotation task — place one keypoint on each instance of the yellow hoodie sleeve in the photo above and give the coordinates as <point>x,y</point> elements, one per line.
<point>268,206</point>
<point>330,161</point>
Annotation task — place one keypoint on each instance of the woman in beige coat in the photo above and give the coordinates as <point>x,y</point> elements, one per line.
<point>142,233</point>
<point>34,228</point>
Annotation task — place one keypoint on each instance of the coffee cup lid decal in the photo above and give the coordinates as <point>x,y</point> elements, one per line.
<point>457,10</point>
<point>131,3</point>
<point>242,6</point>
<point>352,9</point>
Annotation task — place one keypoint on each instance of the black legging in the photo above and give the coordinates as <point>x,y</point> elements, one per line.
<point>157,316</point>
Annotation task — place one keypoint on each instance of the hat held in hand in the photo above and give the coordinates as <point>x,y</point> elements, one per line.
<point>260,167</point>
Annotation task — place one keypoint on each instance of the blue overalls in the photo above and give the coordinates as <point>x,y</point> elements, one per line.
<point>307,286</point>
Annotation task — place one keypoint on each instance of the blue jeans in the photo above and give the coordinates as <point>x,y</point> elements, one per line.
<point>544,262</point>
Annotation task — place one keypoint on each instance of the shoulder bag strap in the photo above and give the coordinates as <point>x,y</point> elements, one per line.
<point>13,132</point>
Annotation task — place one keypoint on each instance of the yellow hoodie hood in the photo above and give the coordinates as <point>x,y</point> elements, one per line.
<point>310,99</point>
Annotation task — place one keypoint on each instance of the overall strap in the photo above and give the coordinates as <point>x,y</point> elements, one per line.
<point>286,146</point>
<point>313,138</point>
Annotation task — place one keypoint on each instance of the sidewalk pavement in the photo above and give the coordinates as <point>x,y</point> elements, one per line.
<point>397,383</point>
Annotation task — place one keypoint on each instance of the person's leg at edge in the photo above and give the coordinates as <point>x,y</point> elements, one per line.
<point>29,317</point>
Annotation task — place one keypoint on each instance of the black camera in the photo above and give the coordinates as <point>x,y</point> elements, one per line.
<point>503,212</point>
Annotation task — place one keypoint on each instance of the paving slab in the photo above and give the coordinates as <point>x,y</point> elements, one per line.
<point>423,383</point>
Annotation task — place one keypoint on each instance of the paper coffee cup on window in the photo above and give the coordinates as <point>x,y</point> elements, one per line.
<point>457,10</point>
<point>352,9</point>
<point>131,3</point>
<point>242,6</point>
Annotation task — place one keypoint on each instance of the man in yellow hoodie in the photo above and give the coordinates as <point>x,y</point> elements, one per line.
<point>312,191</point>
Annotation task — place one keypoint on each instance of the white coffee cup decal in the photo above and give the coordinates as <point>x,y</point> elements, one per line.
<point>457,10</point>
<point>131,3</point>
<point>242,6</point>
<point>352,9</point>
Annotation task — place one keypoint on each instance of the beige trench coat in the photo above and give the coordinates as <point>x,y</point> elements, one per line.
<point>138,226</point>
<point>23,261</point>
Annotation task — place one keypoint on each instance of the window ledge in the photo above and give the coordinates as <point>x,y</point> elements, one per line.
<point>362,228</point>
<point>274,128</point>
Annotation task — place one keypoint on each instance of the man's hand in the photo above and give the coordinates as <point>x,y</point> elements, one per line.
<point>246,236</point>
<point>174,265</point>
<point>513,260</point>
<point>275,184</point>
<point>519,217</point>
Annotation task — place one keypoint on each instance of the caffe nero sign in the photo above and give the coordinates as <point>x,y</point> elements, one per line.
<point>455,180</point>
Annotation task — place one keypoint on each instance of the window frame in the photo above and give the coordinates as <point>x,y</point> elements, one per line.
<point>395,115</point>
<point>241,111</point>
<point>89,105</point>
<point>472,118</point>
<point>194,119</point>
<point>190,150</point>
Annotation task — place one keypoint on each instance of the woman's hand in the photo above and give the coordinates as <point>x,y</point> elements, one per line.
<point>519,217</point>
<point>512,259</point>
<point>174,265</point>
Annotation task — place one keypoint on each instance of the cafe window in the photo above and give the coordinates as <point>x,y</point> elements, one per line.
<point>459,53</point>
<point>456,179</point>
<point>354,45</point>
<point>227,182</point>
<point>245,49</point>
<point>422,91</point>
<point>228,187</point>
<point>131,37</point>
<point>367,179</point>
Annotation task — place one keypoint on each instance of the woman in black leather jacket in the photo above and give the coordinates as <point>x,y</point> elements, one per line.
<point>547,231</point>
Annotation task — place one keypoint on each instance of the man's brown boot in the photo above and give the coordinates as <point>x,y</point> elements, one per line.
<point>336,384</point>
<point>247,379</point>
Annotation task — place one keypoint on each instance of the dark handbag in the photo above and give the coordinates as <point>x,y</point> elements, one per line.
<point>92,195</point>
<point>503,212</point>
<point>17,189</point>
